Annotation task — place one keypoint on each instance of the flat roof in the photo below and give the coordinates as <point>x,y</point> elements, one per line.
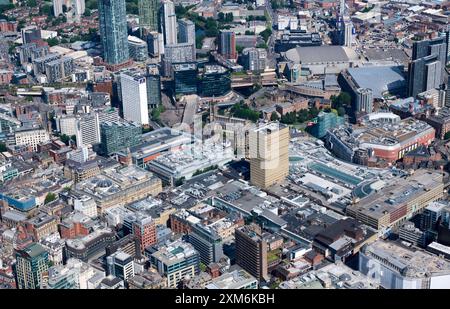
<point>321,54</point>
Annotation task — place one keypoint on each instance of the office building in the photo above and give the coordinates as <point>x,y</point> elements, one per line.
<point>175,261</point>
<point>87,247</point>
<point>364,100</point>
<point>57,7</point>
<point>409,233</point>
<point>398,267</point>
<point>86,206</point>
<point>431,214</point>
<point>169,22</point>
<point>185,78</point>
<point>269,157</point>
<point>134,97</point>
<point>113,31</point>
<point>87,130</point>
<point>437,46</point>
<point>116,136</point>
<point>39,63</point>
<point>117,185</point>
<point>30,137</point>
<point>120,265</point>
<point>138,48</point>
<point>186,29</point>
<point>153,80</point>
<point>148,15</point>
<point>31,264</point>
<point>254,59</point>
<point>177,53</point>
<point>207,242</point>
<point>251,251</point>
<point>214,81</point>
<point>227,44</point>
<point>144,229</point>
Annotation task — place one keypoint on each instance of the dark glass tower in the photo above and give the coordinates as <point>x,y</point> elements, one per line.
<point>113,31</point>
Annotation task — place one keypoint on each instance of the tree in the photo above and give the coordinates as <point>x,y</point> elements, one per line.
<point>46,9</point>
<point>65,139</point>
<point>87,12</point>
<point>52,42</point>
<point>3,147</point>
<point>239,49</point>
<point>342,100</point>
<point>447,135</point>
<point>341,111</point>
<point>50,198</point>
<point>221,16</point>
<point>274,116</point>
<point>266,34</point>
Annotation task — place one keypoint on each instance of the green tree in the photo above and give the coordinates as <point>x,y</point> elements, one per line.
<point>239,49</point>
<point>50,198</point>
<point>341,111</point>
<point>266,34</point>
<point>3,147</point>
<point>274,116</point>
<point>342,100</point>
<point>87,12</point>
<point>447,135</point>
<point>65,139</point>
<point>46,9</point>
<point>52,41</point>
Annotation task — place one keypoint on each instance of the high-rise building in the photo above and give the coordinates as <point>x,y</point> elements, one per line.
<point>176,261</point>
<point>116,136</point>
<point>31,34</point>
<point>79,6</point>
<point>207,242</point>
<point>59,69</point>
<point>364,100</point>
<point>87,130</point>
<point>447,93</point>
<point>427,69</point>
<point>186,29</point>
<point>324,122</point>
<point>348,33</point>
<point>254,59</point>
<point>134,97</point>
<point>113,31</point>
<point>153,80</point>
<point>185,78</point>
<point>153,43</point>
<point>144,229</point>
<point>31,263</point>
<point>57,7</point>
<point>214,81</point>
<point>251,251</point>
<point>424,74</point>
<point>169,22</point>
<point>138,48</point>
<point>227,44</point>
<point>120,265</point>
<point>269,154</point>
<point>148,15</point>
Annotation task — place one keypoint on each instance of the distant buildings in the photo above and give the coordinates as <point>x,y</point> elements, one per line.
<point>113,31</point>
<point>176,54</point>
<point>31,264</point>
<point>185,78</point>
<point>269,158</point>
<point>187,31</point>
<point>153,81</point>
<point>138,48</point>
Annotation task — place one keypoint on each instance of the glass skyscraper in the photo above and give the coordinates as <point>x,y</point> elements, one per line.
<point>113,31</point>
<point>148,15</point>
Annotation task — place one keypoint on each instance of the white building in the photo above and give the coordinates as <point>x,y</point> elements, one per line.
<point>348,34</point>
<point>169,22</point>
<point>67,125</point>
<point>88,130</point>
<point>54,245</point>
<point>134,97</point>
<point>31,137</point>
<point>86,206</point>
<point>120,265</point>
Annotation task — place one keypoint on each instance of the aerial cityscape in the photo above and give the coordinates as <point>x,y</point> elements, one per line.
<point>225,144</point>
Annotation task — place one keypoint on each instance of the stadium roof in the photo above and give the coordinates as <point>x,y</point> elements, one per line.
<point>321,54</point>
